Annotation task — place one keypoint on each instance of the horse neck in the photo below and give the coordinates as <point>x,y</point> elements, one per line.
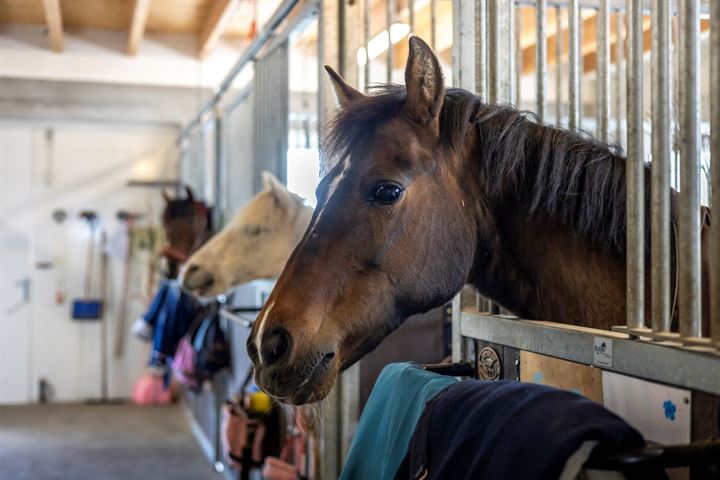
<point>541,269</point>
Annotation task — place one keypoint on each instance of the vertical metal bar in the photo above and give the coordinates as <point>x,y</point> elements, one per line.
<point>581,66</point>
<point>574,65</point>
<point>559,41</point>
<point>715,159</point>
<point>541,57</point>
<point>510,52</point>
<point>689,214</point>
<point>433,24</point>
<point>411,14</point>
<point>661,150</point>
<point>481,49</point>
<point>676,103</point>
<point>518,56</point>
<point>458,345</point>
<point>366,39</point>
<point>603,70</point>
<point>499,46</point>
<point>635,166</point>
<point>619,40</point>
<point>390,17</point>
<point>463,45</point>
<point>220,210</point>
<point>493,54</point>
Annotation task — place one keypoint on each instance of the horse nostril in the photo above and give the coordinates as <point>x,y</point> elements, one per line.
<point>275,346</point>
<point>197,278</point>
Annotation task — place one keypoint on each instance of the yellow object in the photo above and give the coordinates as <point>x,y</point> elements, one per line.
<point>258,402</point>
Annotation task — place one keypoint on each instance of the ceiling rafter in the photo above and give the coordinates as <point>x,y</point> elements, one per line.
<point>53,20</point>
<point>218,20</point>
<point>141,10</point>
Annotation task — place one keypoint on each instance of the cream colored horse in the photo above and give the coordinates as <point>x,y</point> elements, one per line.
<point>255,244</point>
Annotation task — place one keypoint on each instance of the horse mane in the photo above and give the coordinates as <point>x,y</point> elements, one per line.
<point>554,173</point>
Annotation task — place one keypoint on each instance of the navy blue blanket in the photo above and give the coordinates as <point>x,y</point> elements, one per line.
<point>507,430</point>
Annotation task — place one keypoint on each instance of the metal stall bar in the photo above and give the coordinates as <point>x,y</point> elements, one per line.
<point>715,158</point>
<point>661,151</point>
<point>619,40</point>
<point>366,39</point>
<point>411,13</point>
<point>433,25</point>
<point>635,168</point>
<point>574,65</point>
<point>689,208</point>
<point>221,186</point>
<point>499,51</point>
<point>390,8</point>
<point>481,49</point>
<point>541,58</point>
<point>510,39</point>
<point>603,70</point>
<point>559,40</point>
<point>463,46</point>
<point>517,29</point>
<point>271,114</point>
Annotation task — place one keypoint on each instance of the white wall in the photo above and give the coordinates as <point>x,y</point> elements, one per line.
<point>93,55</point>
<point>85,166</point>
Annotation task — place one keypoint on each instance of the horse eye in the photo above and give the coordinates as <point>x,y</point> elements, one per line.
<point>386,193</point>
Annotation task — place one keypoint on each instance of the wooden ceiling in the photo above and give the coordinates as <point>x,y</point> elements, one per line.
<point>208,20</point>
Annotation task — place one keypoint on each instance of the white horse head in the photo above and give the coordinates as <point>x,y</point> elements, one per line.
<point>255,244</point>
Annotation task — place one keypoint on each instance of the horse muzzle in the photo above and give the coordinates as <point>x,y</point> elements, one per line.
<point>290,377</point>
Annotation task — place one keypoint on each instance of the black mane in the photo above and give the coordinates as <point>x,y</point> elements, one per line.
<point>554,173</point>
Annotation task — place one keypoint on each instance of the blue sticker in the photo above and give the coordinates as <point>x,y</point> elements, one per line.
<point>576,390</point>
<point>670,410</point>
<point>538,377</point>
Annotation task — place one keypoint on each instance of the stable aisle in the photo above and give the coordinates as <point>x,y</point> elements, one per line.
<point>99,442</point>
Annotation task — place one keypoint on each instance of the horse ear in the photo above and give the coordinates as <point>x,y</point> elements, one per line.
<point>424,82</point>
<point>190,194</point>
<point>344,93</point>
<point>279,192</point>
<point>166,197</point>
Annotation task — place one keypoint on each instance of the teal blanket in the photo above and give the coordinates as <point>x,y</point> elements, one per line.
<point>388,420</point>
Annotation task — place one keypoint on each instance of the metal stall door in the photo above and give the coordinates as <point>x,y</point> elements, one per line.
<point>238,176</point>
<point>271,113</point>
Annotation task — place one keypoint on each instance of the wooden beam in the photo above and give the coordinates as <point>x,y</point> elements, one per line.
<point>137,26</point>
<point>53,19</point>
<point>218,19</point>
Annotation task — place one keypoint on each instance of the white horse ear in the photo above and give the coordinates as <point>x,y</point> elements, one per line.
<point>279,191</point>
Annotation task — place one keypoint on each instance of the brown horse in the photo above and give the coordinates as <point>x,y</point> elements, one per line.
<point>427,190</point>
<point>187,226</point>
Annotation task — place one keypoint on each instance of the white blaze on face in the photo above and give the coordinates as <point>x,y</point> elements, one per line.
<point>261,328</point>
<point>332,188</point>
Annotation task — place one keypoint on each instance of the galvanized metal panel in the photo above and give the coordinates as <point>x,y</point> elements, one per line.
<point>659,363</point>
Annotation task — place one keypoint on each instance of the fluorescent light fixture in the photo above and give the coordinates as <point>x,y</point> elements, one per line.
<point>379,43</point>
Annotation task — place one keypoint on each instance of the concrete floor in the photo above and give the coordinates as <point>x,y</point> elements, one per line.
<point>99,442</point>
